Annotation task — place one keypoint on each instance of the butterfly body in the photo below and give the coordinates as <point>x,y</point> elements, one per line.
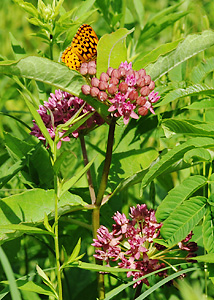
<point>83,48</point>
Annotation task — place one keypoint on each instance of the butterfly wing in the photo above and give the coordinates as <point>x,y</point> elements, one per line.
<point>83,48</point>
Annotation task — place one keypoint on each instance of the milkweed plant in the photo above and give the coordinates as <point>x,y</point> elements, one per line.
<point>109,178</point>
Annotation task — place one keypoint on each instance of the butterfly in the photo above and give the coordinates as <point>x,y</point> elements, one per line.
<point>83,48</point>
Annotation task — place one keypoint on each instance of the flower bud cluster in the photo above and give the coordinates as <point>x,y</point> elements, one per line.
<point>126,90</point>
<point>130,244</point>
<point>60,108</point>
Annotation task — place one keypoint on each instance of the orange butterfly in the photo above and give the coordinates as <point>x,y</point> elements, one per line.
<point>83,48</point>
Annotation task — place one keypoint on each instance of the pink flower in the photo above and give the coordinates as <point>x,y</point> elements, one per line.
<point>60,108</point>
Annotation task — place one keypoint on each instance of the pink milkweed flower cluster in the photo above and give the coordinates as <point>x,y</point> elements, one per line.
<point>129,93</point>
<point>131,243</point>
<point>59,108</point>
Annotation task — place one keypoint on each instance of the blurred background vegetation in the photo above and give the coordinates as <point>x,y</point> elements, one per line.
<point>14,25</point>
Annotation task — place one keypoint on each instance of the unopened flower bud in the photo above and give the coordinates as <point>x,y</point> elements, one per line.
<point>147,79</point>
<point>115,73</point>
<point>141,100</point>
<point>112,89</point>
<point>133,95</point>
<point>104,77</point>
<point>103,85</point>
<point>136,75</point>
<point>92,63</point>
<point>86,89</point>
<point>95,81</point>
<point>123,87</point>
<point>114,80</point>
<point>102,96</point>
<point>141,73</point>
<point>140,82</point>
<point>143,111</point>
<point>92,70</point>
<point>130,72</point>
<point>83,70</point>
<point>151,85</point>
<point>94,91</point>
<point>122,72</point>
<point>144,91</point>
<point>109,71</point>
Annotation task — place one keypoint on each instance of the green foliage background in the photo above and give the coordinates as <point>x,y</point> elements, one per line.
<point>150,138</point>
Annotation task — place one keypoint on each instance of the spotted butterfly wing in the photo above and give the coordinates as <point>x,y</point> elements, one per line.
<point>83,48</point>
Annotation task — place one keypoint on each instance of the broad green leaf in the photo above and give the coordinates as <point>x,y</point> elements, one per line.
<point>174,155</point>
<point>203,104</point>
<point>69,183</point>
<point>127,182</point>
<point>197,155</point>
<point>208,231</point>
<point>30,208</point>
<point>192,45</point>
<point>178,195</point>
<point>183,219</point>
<point>111,50</point>
<point>188,127</point>
<point>143,60</point>
<point>55,74</point>
<point>194,90</point>
<point>208,258</point>
<point>15,295</point>
<point>200,71</point>
<point>40,169</point>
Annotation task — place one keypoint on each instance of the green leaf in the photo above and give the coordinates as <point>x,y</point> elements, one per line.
<point>39,165</point>
<point>160,21</point>
<point>28,7</point>
<point>208,231</point>
<point>178,195</point>
<point>143,60</point>
<point>30,208</point>
<point>183,219</point>
<point>174,155</point>
<point>35,287</point>
<point>194,90</point>
<point>111,50</point>
<point>55,74</point>
<point>188,127</point>
<point>69,183</point>
<point>15,295</point>
<point>17,47</point>
<point>203,104</point>
<point>208,258</point>
<point>192,45</point>
<point>25,229</point>
<point>197,155</point>
<point>200,71</point>
<point>164,281</point>
<point>46,280</point>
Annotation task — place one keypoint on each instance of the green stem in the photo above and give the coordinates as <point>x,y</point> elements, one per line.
<point>107,163</point>
<point>56,240</point>
<point>89,178</point>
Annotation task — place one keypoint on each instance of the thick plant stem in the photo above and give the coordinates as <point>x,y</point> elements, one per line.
<point>89,178</point>
<point>100,277</point>
<point>101,191</point>
<point>107,163</point>
<point>56,241</point>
